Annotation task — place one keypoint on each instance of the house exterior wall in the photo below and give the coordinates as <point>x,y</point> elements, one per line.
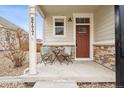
<point>103,27</point>
<point>105,55</point>
<point>49,38</point>
<point>4,38</point>
<point>8,31</point>
<point>52,41</point>
<point>104,24</point>
<point>104,37</point>
<point>103,32</point>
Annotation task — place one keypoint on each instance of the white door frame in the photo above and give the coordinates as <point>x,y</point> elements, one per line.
<point>89,15</point>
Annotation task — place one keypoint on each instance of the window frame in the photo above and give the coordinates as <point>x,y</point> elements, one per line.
<point>54,32</point>
<point>84,19</point>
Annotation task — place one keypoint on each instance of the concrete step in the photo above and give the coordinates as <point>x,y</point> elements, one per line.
<point>55,84</point>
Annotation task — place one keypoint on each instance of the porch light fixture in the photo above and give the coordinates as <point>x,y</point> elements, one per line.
<point>70,20</point>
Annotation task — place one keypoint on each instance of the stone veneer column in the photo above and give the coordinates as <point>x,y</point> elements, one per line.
<point>32,39</point>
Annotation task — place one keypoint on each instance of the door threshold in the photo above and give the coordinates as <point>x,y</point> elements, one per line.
<point>83,59</point>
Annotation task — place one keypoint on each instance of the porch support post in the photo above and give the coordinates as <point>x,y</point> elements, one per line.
<point>32,39</point>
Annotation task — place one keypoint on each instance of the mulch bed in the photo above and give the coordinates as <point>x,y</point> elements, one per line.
<point>96,84</point>
<point>16,84</point>
<point>80,84</point>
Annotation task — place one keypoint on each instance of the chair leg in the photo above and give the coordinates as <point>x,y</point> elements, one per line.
<point>44,59</point>
<point>50,59</point>
<point>69,59</point>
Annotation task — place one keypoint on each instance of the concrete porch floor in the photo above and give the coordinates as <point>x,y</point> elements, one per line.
<point>79,71</point>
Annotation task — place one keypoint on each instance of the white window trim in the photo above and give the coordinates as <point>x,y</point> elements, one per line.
<point>54,17</point>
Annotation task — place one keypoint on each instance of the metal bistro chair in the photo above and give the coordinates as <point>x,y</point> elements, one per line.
<point>46,57</point>
<point>68,54</point>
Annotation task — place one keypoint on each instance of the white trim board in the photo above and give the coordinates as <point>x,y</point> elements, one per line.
<point>83,59</point>
<point>106,42</point>
<point>40,11</point>
<point>89,15</point>
<point>59,44</point>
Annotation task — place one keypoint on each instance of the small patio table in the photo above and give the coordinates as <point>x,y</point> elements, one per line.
<point>58,56</point>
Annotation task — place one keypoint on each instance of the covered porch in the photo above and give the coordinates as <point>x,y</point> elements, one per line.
<point>101,47</point>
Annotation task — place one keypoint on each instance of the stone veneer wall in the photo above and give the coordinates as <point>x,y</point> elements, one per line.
<point>105,55</point>
<point>8,34</point>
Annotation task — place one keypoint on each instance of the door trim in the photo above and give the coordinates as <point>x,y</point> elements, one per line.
<point>89,15</point>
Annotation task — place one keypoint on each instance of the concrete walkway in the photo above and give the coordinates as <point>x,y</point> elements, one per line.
<point>55,84</point>
<point>78,71</point>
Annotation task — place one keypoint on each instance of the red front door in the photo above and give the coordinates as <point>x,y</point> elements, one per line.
<point>82,41</point>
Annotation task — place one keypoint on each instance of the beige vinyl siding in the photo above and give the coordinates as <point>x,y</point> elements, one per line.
<point>48,32</point>
<point>104,24</point>
<point>103,27</point>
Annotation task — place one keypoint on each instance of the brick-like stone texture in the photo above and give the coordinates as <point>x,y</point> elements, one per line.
<point>7,35</point>
<point>105,55</point>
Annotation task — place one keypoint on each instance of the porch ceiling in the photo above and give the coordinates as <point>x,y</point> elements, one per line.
<point>62,9</point>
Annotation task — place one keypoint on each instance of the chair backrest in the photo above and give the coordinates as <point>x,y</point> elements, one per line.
<point>45,50</point>
<point>67,50</point>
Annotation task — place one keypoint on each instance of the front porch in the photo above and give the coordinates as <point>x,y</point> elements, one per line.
<point>79,71</point>
<point>99,42</point>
